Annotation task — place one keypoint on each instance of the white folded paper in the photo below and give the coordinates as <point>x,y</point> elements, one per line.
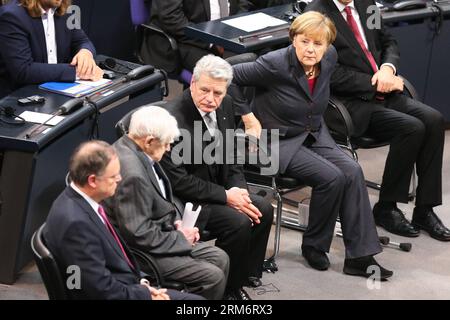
<point>190,216</point>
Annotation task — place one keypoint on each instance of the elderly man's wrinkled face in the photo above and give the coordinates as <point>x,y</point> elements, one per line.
<point>50,4</point>
<point>156,148</point>
<point>208,93</point>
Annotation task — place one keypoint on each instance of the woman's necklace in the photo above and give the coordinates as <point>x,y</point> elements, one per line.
<point>311,73</point>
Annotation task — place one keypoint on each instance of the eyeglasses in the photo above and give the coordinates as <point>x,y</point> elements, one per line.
<point>113,177</point>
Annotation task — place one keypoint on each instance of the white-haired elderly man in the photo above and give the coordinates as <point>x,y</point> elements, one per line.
<point>143,208</point>
<point>241,222</point>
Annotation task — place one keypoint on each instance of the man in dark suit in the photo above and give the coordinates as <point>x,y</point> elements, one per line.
<point>173,16</point>
<point>143,208</point>
<point>366,80</point>
<point>78,232</point>
<point>39,44</point>
<point>240,222</point>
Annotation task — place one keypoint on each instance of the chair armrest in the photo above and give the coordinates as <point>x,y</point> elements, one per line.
<point>409,88</point>
<point>252,160</point>
<point>154,28</point>
<point>147,263</point>
<point>343,113</point>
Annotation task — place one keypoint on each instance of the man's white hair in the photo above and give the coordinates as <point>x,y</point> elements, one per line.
<point>154,121</point>
<point>214,67</point>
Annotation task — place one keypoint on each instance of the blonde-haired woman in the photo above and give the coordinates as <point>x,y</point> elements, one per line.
<point>292,93</point>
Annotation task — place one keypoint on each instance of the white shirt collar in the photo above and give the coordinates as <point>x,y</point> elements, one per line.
<point>203,114</point>
<point>50,12</point>
<point>341,6</point>
<point>89,200</point>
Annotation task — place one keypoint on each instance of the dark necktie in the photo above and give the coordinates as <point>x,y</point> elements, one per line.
<point>212,124</point>
<point>223,5</point>
<point>354,27</point>
<point>102,213</point>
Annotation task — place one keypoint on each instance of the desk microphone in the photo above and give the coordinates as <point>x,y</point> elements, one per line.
<point>66,108</point>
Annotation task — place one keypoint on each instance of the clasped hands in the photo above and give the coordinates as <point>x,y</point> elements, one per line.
<point>156,294</point>
<point>386,81</point>
<point>239,199</point>
<point>86,68</point>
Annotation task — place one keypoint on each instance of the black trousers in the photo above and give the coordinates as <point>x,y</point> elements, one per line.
<point>245,244</point>
<point>416,135</point>
<point>338,188</point>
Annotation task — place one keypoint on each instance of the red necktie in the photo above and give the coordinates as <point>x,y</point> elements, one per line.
<point>101,211</point>
<point>354,27</point>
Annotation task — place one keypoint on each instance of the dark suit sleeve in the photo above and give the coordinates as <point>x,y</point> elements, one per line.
<point>190,187</point>
<point>133,203</point>
<point>389,47</point>
<point>81,41</point>
<point>249,74</point>
<point>237,6</point>
<point>86,251</point>
<point>172,19</point>
<point>15,49</point>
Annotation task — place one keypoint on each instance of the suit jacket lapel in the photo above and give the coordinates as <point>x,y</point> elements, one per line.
<point>360,7</point>
<point>193,115</point>
<point>40,34</point>
<point>59,29</point>
<point>103,229</point>
<point>165,180</point>
<point>297,72</point>
<point>347,33</point>
<point>145,162</point>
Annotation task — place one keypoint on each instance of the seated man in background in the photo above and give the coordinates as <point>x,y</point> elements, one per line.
<point>366,80</point>
<point>39,45</point>
<point>78,232</point>
<point>241,222</point>
<point>173,16</point>
<point>144,212</point>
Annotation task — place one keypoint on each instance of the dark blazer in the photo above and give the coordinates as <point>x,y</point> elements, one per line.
<point>352,78</point>
<point>198,181</point>
<point>76,236</point>
<point>283,100</point>
<point>173,16</point>
<point>23,53</point>
<point>139,210</point>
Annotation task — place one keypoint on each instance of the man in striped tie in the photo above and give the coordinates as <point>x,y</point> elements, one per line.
<point>80,236</point>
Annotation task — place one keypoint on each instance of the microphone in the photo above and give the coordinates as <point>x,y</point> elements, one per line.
<point>70,105</point>
<point>111,64</point>
<point>66,108</point>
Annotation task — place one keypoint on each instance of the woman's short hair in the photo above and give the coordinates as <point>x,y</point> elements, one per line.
<point>315,24</point>
<point>214,67</point>
<point>34,7</point>
<point>91,157</point>
<point>154,121</point>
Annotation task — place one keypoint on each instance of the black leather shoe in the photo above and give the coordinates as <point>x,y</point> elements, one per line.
<point>253,282</point>
<point>237,294</point>
<point>429,221</point>
<point>366,267</point>
<point>316,258</point>
<point>394,221</point>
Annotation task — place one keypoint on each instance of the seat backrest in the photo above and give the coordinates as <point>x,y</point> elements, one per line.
<point>140,11</point>
<point>48,267</point>
<point>123,124</point>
